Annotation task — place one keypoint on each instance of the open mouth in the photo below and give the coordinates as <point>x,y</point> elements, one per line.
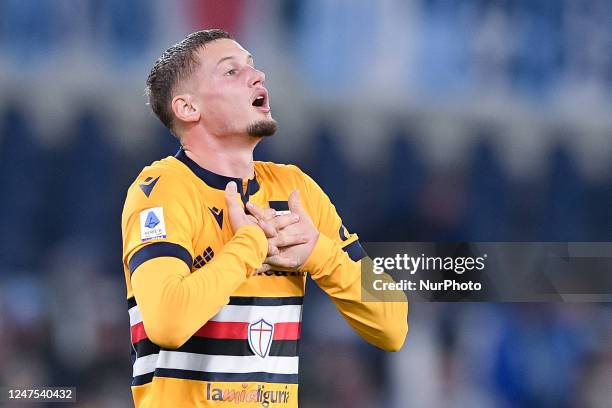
<point>261,101</point>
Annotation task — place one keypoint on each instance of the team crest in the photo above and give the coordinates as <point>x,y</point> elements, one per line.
<point>260,337</point>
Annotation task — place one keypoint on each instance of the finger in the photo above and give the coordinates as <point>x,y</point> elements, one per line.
<point>284,239</point>
<point>272,248</point>
<point>294,203</point>
<point>280,261</point>
<point>283,221</point>
<point>264,268</point>
<point>292,229</point>
<point>270,213</point>
<point>268,228</point>
<point>259,212</point>
<point>230,195</point>
<point>234,209</point>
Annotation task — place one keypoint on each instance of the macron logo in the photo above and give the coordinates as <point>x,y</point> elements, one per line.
<point>148,185</point>
<point>218,214</point>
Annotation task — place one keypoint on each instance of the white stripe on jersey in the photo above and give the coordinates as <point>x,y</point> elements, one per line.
<point>215,364</point>
<point>144,365</point>
<point>135,316</point>
<point>271,314</point>
<point>227,364</point>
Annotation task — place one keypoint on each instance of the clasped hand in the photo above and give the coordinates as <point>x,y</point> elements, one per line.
<point>291,237</point>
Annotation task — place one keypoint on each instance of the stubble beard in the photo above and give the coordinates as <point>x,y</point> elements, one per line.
<point>262,128</point>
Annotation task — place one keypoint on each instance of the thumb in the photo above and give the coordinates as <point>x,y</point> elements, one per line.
<point>294,203</point>
<point>230,197</point>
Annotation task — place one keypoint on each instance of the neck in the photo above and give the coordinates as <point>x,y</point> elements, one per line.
<point>231,156</point>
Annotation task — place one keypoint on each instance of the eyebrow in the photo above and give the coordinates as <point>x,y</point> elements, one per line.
<point>249,57</point>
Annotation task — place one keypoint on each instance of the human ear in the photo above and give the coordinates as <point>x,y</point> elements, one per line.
<point>185,109</point>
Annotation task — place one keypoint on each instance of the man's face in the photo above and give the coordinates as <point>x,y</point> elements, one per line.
<point>230,92</point>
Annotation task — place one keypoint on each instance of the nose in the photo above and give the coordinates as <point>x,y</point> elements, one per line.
<point>258,77</point>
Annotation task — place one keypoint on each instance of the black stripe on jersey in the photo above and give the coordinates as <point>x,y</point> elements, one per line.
<point>232,347</point>
<point>131,302</point>
<point>279,205</point>
<point>227,377</point>
<point>146,347</point>
<point>285,348</point>
<point>355,251</point>
<point>220,347</point>
<point>157,250</point>
<point>265,301</point>
<point>142,379</point>
<point>217,347</point>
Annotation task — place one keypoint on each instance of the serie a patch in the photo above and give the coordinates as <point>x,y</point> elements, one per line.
<point>152,224</point>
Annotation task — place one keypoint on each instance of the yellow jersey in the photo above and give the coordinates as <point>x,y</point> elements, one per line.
<point>206,330</point>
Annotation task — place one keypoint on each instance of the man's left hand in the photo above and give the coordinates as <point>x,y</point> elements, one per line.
<point>292,255</point>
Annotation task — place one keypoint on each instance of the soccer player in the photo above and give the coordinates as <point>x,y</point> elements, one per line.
<point>216,246</point>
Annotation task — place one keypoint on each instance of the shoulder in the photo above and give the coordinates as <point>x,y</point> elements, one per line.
<point>284,172</point>
<point>162,174</point>
<point>160,182</point>
<point>292,177</point>
<point>278,168</point>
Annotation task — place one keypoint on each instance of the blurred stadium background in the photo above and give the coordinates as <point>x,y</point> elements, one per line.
<point>423,120</point>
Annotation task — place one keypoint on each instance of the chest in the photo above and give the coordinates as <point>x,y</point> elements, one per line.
<point>214,231</point>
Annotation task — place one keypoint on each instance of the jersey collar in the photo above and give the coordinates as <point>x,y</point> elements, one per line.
<point>218,181</point>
